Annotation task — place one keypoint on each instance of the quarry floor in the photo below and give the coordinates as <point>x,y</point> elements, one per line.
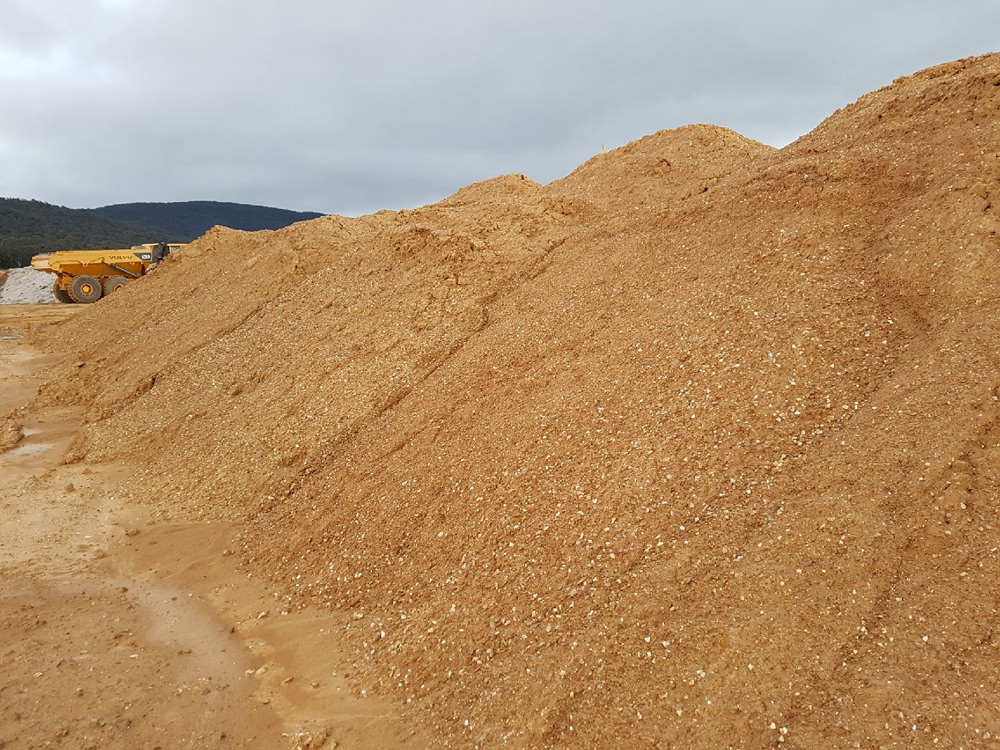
<point>117,632</point>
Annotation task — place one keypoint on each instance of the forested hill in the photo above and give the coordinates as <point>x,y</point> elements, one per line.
<point>29,226</point>
<point>185,221</point>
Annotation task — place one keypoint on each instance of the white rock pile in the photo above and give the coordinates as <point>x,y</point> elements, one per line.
<point>26,286</point>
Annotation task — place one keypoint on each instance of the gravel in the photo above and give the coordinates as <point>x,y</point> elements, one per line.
<point>26,286</point>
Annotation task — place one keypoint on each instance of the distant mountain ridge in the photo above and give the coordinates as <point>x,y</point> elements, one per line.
<point>187,220</point>
<point>30,226</point>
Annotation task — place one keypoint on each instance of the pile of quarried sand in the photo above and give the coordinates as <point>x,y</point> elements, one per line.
<point>697,446</point>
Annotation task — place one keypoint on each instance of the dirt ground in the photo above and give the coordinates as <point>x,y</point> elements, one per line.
<point>119,632</point>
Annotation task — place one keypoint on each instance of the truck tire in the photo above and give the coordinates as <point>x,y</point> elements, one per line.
<point>85,289</point>
<point>61,295</point>
<point>113,282</point>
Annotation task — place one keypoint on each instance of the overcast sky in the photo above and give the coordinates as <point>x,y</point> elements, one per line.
<point>349,107</point>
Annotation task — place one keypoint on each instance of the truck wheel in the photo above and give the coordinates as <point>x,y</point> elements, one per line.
<point>60,294</point>
<point>85,289</point>
<point>112,283</point>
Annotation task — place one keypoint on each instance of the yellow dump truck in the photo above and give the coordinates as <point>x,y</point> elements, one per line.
<point>88,275</point>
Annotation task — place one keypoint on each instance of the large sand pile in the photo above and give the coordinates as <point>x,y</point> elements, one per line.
<point>695,447</point>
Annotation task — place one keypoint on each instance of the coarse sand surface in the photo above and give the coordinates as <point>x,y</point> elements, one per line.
<point>695,447</point>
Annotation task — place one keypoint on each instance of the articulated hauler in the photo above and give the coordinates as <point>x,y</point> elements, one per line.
<point>87,275</point>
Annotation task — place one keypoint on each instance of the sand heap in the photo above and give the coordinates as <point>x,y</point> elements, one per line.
<point>697,446</point>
